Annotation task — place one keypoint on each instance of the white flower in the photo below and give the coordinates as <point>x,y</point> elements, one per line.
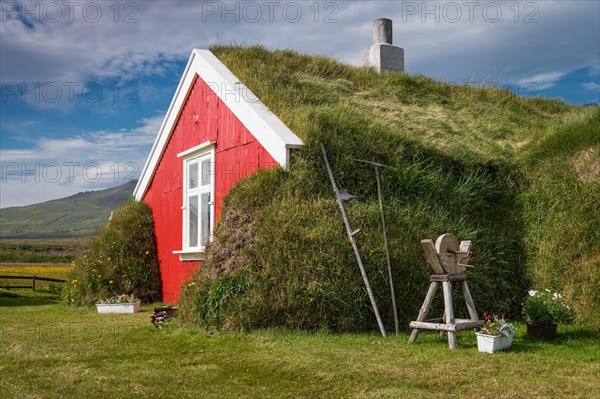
<point>557,295</point>
<point>532,292</point>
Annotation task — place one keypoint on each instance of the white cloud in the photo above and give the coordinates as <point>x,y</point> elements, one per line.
<point>55,168</point>
<point>542,81</point>
<point>517,42</point>
<point>591,86</point>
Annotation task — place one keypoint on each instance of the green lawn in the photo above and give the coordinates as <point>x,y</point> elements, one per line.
<point>49,351</point>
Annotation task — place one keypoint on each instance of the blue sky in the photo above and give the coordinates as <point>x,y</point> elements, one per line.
<point>84,85</point>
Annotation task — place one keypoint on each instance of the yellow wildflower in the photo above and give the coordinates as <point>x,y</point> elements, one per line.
<point>110,281</point>
<point>147,252</point>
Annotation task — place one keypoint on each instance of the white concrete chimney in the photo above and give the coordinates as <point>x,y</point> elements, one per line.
<point>384,56</point>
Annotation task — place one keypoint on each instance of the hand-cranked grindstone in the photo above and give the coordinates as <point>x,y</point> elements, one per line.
<point>447,260</point>
<point>447,247</point>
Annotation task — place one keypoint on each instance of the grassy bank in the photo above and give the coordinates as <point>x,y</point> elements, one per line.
<point>562,211</point>
<point>50,351</point>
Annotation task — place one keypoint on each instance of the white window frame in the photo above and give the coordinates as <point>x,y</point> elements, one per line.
<point>197,154</point>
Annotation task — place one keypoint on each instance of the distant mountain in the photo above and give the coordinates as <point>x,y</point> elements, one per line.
<point>79,215</point>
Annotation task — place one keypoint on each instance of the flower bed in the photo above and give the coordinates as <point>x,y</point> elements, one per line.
<point>119,304</point>
<point>496,333</point>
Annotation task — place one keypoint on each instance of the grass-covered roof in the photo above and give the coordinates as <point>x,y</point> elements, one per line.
<point>517,176</point>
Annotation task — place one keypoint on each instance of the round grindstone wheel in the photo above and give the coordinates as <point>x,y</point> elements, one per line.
<point>444,245</point>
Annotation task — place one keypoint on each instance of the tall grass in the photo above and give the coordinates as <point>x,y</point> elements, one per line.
<point>456,168</point>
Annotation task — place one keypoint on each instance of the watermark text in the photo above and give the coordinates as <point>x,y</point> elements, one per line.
<point>55,172</point>
<point>30,12</point>
<point>470,11</point>
<point>54,92</point>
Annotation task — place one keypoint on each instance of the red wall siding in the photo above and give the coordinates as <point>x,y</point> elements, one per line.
<point>237,155</point>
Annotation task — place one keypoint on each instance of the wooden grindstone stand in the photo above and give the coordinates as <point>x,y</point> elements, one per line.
<point>448,261</point>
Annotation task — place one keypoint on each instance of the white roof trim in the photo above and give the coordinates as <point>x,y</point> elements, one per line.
<point>269,130</point>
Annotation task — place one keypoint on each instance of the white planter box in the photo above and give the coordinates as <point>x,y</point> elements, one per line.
<point>493,343</point>
<point>118,307</point>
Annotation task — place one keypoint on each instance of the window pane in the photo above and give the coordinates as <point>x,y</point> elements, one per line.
<point>205,217</point>
<point>193,221</point>
<point>193,175</point>
<point>206,172</point>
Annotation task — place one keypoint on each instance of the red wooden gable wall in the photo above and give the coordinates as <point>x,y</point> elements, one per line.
<point>237,154</point>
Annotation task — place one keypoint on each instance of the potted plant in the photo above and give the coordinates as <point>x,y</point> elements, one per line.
<point>543,310</point>
<point>123,303</point>
<point>496,333</point>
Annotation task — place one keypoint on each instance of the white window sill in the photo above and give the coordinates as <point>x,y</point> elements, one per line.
<point>187,255</point>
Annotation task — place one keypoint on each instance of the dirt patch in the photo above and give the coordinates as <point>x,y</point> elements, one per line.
<point>236,236</point>
<point>587,164</point>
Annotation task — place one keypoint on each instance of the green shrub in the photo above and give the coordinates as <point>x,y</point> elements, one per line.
<point>121,258</point>
<point>211,305</point>
<point>545,308</point>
